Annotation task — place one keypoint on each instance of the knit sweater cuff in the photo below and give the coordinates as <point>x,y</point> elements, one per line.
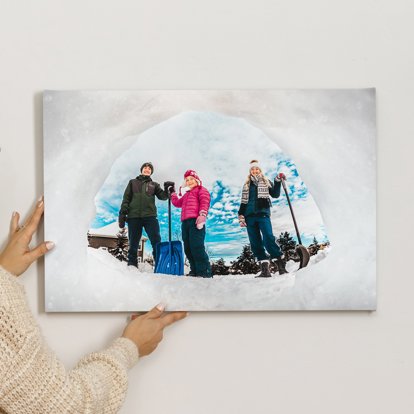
<point>10,289</point>
<point>8,276</point>
<point>125,351</point>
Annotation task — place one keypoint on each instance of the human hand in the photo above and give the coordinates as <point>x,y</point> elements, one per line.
<point>146,331</point>
<point>242,221</point>
<point>17,255</point>
<point>280,177</point>
<point>201,220</point>
<point>121,220</point>
<point>169,187</point>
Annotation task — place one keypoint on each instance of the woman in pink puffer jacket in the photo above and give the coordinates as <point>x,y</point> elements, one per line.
<point>194,199</point>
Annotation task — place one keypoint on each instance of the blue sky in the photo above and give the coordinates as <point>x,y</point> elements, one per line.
<point>219,148</point>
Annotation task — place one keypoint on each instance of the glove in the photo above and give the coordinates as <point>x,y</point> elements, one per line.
<point>201,219</point>
<point>169,187</point>
<point>242,221</point>
<point>280,177</point>
<point>121,220</point>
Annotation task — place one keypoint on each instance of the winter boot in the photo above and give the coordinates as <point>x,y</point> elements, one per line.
<point>281,266</point>
<point>264,265</point>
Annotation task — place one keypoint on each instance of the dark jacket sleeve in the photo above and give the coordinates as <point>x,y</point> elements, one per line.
<point>274,190</point>
<point>242,209</point>
<point>126,199</point>
<point>160,193</point>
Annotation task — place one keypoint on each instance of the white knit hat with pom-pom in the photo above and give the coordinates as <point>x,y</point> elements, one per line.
<point>255,163</point>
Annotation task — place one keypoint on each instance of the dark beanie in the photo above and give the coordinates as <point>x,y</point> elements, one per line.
<point>147,164</point>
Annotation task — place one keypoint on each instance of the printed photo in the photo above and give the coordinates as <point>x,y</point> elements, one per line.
<point>210,200</point>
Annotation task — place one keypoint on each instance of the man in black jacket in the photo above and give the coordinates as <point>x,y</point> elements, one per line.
<point>139,210</point>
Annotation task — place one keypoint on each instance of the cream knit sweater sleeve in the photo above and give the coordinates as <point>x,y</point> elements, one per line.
<point>33,380</point>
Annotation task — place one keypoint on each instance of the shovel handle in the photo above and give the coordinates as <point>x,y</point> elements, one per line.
<point>291,211</point>
<point>169,218</point>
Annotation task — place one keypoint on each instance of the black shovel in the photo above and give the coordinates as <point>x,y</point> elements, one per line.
<point>301,250</point>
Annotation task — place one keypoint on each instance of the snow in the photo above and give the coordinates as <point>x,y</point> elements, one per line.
<point>109,230</point>
<point>147,288</point>
<point>251,293</point>
<point>330,135</point>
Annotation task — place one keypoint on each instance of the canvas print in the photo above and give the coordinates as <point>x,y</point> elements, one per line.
<point>210,200</point>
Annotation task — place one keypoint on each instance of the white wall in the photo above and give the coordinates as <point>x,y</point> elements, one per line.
<point>230,362</point>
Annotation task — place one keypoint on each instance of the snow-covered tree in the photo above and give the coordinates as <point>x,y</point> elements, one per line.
<point>150,260</point>
<point>120,251</point>
<point>219,267</point>
<point>287,244</point>
<point>314,247</point>
<point>245,264</point>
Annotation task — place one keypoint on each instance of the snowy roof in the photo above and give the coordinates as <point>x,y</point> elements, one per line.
<point>110,230</point>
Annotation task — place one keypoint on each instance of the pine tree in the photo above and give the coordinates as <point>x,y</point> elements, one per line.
<point>314,247</point>
<point>245,264</point>
<point>120,251</point>
<point>219,267</point>
<point>150,260</point>
<point>287,244</point>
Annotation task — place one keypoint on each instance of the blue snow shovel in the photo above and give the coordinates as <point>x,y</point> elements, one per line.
<point>170,256</point>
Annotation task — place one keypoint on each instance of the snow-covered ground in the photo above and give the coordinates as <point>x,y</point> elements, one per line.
<point>329,134</point>
<point>180,292</point>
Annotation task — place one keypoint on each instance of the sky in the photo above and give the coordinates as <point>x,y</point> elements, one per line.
<point>219,148</point>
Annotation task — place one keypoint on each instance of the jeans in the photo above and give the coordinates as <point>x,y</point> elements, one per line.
<point>193,239</point>
<point>135,226</point>
<point>259,230</point>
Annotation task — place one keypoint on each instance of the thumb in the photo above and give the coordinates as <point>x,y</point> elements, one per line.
<point>156,312</point>
<point>40,250</point>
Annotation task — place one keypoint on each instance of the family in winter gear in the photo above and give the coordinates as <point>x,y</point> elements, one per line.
<point>254,214</point>
<point>194,201</point>
<point>139,210</point>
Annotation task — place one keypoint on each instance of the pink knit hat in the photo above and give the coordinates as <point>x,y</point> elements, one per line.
<point>193,174</point>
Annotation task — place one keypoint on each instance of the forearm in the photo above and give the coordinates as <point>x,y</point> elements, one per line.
<point>204,201</point>
<point>274,191</point>
<point>177,202</point>
<point>160,193</point>
<point>99,382</point>
<point>242,209</point>
<point>32,379</point>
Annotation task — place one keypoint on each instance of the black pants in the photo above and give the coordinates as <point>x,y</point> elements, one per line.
<point>135,226</point>
<point>193,239</point>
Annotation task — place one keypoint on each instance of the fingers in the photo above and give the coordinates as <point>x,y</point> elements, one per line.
<point>14,223</point>
<point>169,318</point>
<point>166,319</point>
<point>34,220</point>
<point>156,312</point>
<point>39,251</point>
<point>136,315</point>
